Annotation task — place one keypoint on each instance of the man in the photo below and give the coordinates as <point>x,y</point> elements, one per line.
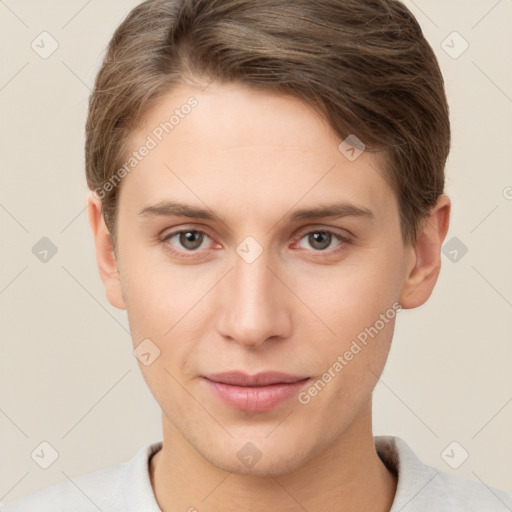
<point>266,196</point>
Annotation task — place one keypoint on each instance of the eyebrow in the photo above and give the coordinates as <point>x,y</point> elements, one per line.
<point>334,210</point>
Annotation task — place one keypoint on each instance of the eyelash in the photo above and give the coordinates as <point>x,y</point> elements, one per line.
<point>342,239</point>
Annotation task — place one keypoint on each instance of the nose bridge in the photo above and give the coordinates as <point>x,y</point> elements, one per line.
<point>254,308</point>
<point>252,279</point>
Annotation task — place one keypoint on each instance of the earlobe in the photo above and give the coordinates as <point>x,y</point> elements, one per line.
<point>425,261</point>
<point>105,257</point>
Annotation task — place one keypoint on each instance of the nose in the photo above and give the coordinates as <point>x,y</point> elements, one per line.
<point>255,303</point>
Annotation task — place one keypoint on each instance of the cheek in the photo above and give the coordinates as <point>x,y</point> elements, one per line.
<point>353,294</point>
<point>358,302</point>
<point>164,303</point>
<point>159,293</point>
<point>350,366</point>
<point>161,301</point>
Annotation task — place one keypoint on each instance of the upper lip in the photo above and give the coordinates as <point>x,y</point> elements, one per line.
<point>238,378</point>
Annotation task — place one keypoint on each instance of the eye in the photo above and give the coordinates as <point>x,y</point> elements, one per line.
<point>190,240</point>
<point>322,239</point>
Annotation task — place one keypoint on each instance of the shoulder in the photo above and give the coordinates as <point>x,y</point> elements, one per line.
<point>425,488</point>
<point>103,490</point>
<point>98,490</point>
<point>471,495</point>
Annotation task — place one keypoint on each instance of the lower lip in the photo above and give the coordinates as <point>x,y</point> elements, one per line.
<point>255,398</point>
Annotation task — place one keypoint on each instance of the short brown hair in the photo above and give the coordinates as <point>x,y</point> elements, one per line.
<point>364,65</point>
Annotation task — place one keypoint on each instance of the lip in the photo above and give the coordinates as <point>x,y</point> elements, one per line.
<point>254,393</point>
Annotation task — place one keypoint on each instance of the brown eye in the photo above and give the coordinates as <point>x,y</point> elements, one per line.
<point>186,240</point>
<point>323,240</point>
<point>320,239</point>
<point>191,240</point>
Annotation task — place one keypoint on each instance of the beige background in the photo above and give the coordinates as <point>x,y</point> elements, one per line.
<point>67,371</point>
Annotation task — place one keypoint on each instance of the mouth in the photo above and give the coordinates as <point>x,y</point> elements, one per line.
<point>254,393</point>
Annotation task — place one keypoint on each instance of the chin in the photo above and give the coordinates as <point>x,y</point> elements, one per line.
<point>260,456</point>
<point>276,464</point>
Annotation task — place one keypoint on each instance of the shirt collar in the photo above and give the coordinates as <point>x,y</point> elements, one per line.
<point>138,493</point>
<point>416,480</point>
<point>419,486</point>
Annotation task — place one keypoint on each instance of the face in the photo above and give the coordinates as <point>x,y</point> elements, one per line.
<point>283,256</point>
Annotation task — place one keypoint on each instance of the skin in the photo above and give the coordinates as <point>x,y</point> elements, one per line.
<point>254,157</point>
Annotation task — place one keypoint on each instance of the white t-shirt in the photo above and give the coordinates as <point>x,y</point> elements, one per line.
<point>126,487</point>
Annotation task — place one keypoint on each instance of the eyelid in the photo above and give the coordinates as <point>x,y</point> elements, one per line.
<point>342,238</point>
<point>342,233</point>
<point>166,236</point>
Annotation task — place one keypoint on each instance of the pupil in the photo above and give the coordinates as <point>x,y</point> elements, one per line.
<point>187,239</point>
<point>323,238</point>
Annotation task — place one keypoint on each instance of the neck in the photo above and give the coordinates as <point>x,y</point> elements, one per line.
<point>348,476</point>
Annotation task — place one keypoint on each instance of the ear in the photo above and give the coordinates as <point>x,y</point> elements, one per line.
<point>105,257</point>
<point>424,258</point>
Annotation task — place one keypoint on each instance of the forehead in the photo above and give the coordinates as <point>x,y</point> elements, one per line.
<point>238,146</point>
